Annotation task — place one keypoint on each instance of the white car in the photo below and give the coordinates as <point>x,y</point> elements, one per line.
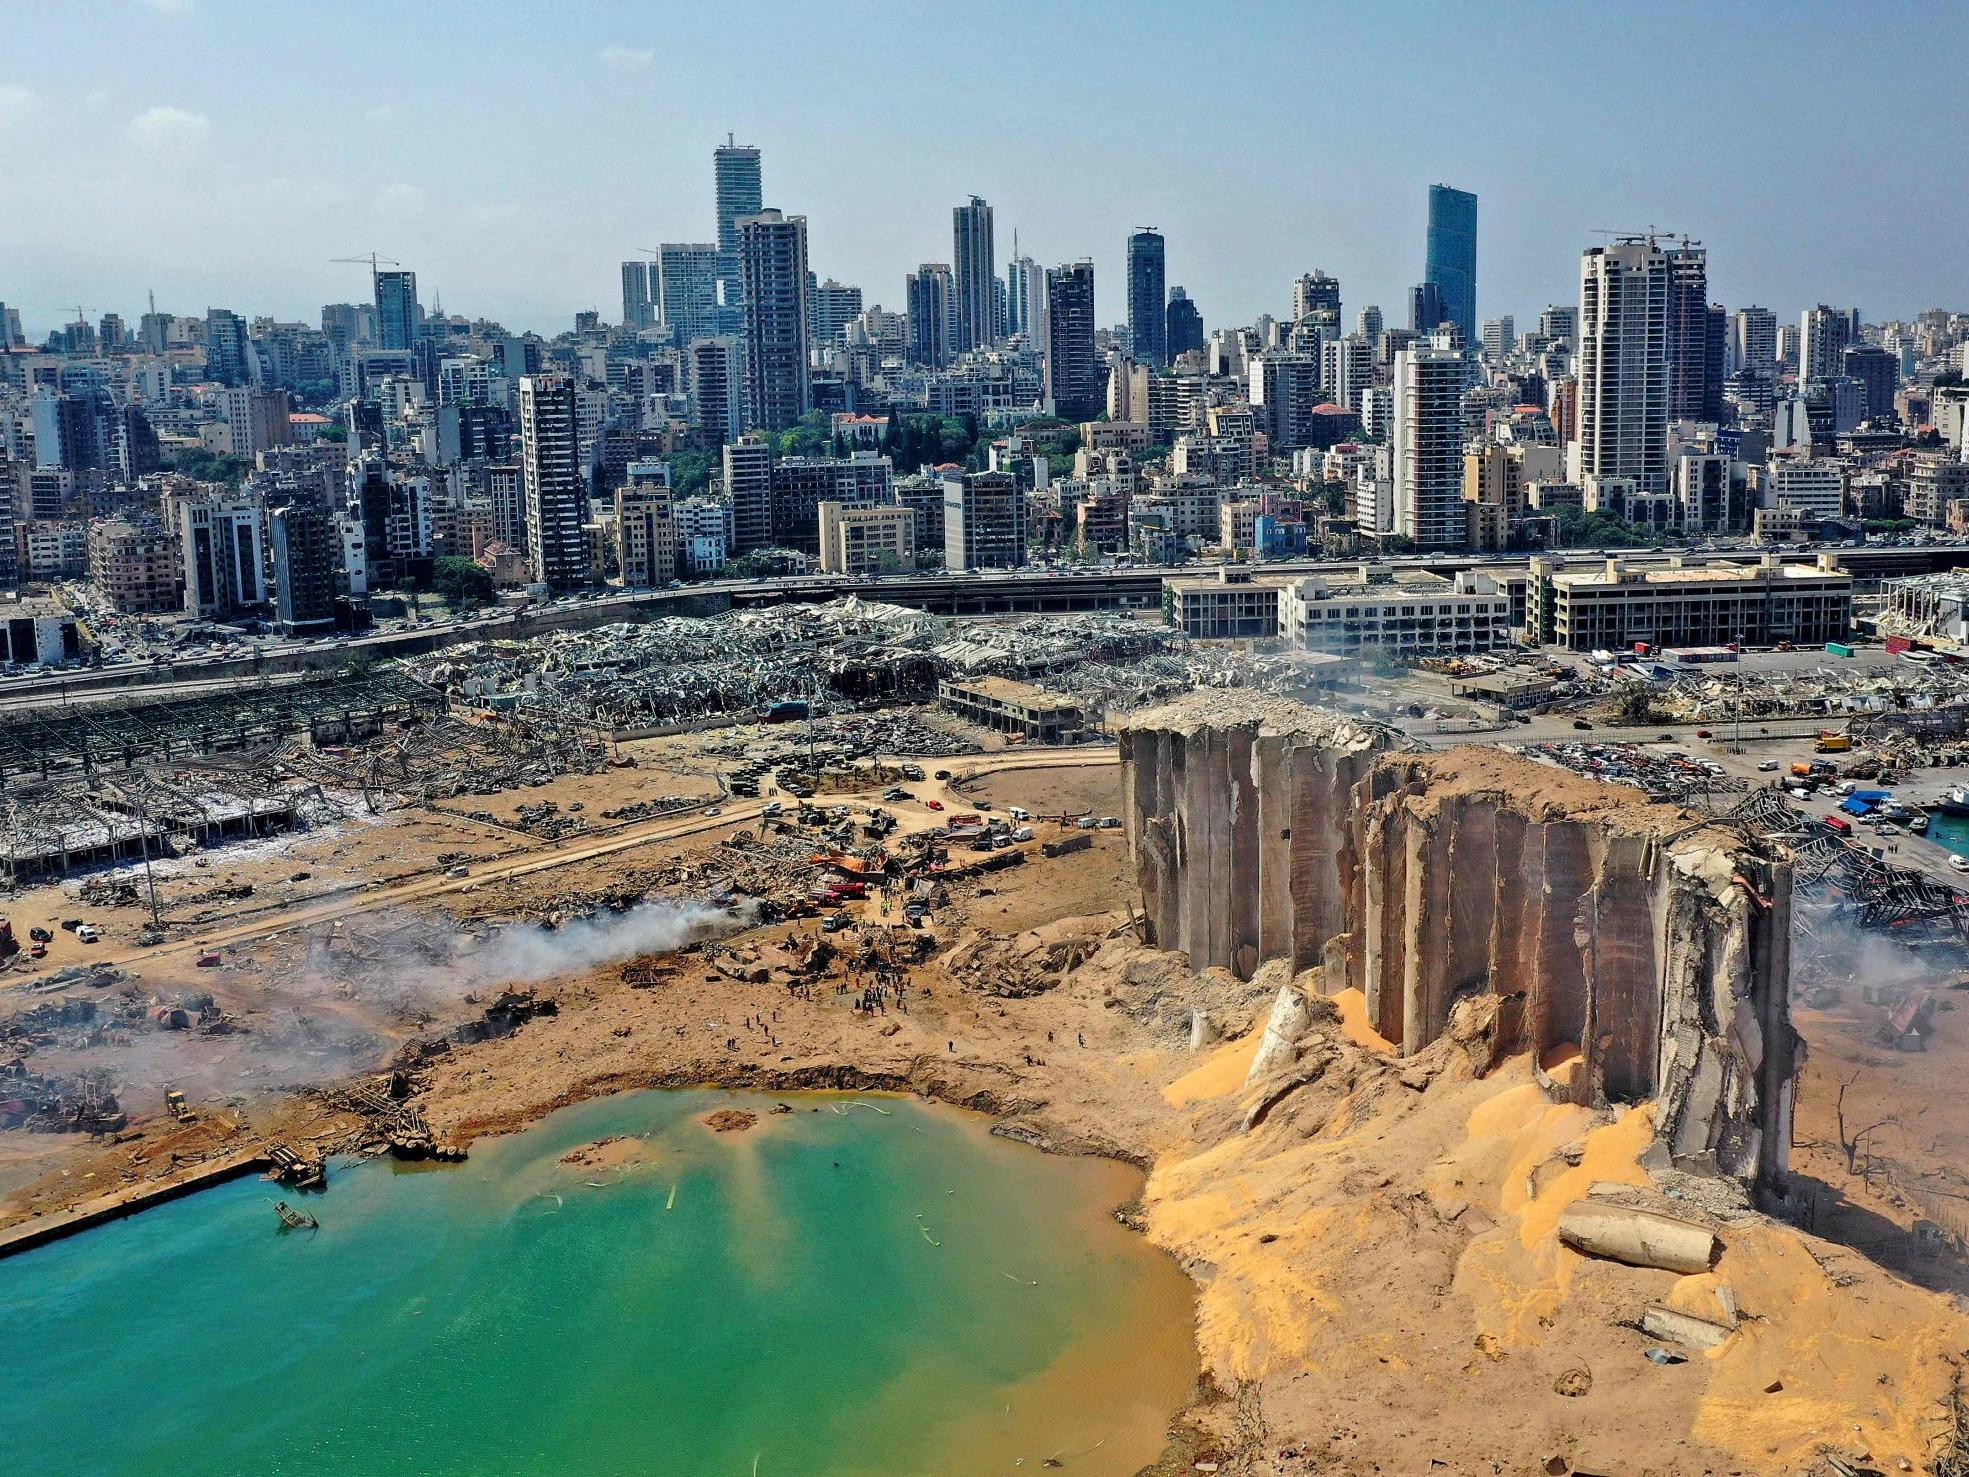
<point>1958,861</point>
<point>1768,766</point>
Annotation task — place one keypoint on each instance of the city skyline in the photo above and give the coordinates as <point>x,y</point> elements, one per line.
<point>527,220</point>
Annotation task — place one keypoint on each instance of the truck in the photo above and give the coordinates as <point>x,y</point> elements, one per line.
<point>1832,743</point>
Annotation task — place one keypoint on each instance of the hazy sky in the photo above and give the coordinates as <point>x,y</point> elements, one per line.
<point>221,151</point>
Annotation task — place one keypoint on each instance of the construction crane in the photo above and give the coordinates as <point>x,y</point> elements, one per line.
<point>374,260</point>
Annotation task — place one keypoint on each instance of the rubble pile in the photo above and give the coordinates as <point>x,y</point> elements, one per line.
<point>682,670</point>
<point>420,762</point>
<point>1660,775</point>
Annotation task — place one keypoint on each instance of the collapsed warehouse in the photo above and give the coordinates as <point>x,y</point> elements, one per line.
<point>1637,952</point>
<point>678,671</point>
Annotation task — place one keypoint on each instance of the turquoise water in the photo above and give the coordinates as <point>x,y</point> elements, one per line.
<point>1951,831</point>
<point>835,1291</point>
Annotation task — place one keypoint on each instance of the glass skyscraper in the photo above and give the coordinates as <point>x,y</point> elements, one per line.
<point>1147,326</point>
<point>1452,264</point>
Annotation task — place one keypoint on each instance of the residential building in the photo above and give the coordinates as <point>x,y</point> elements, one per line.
<point>228,356</point>
<point>396,310</point>
<point>740,191</point>
<point>927,300</point>
<point>748,467</point>
<point>704,530</point>
<point>1185,325</point>
<point>835,305</point>
<point>1428,444</point>
<point>638,301</point>
<point>687,291</point>
<point>1695,368</point>
<point>255,420</point>
<point>1148,325</point>
<point>135,564</point>
<point>973,305</point>
<point>1824,334</point>
<point>864,540</point>
<point>646,531</point>
<point>1073,383</point>
<point>716,372</point>
<point>550,464</point>
<point>1623,363</point>
<point>1813,486</point>
<point>772,249</point>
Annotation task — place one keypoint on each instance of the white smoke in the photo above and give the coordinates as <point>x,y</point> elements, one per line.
<point>519,955</point>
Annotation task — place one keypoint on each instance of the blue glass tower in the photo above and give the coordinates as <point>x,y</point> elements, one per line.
<point>1452,264</point>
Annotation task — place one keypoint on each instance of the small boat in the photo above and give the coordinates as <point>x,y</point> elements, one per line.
<point>1918,824</point>
<point>294,1220</point>
<point>1955,801</point>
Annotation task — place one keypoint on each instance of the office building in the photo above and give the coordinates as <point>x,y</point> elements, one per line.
<point>228,356</point>
<point>306,550</point>
<point>748,482</point>
<point>638,302</point>
<point>1410,613</point>
<point>1815,487</point>
<point>396,310</point>
<point>1878,373</point>
<point>800,484</point>
<point>984,521</point>
<point>1428,444</point>
<point>1185,325</point>
<point>1613,605</point>
<point>1227,605</point>
<point>1426,310</point>
<point>1452,260</point>
<point>973,305</point>
<point>222,556</point>
<point>550,467</point>
<point>687,291</point>
<point>863,540</point>
<point>1148,325</point>
<point>1073,384</point>
<point>1623,364</point>
<point>927,301</point>
<point>772,250</point>
<point>739,187</point>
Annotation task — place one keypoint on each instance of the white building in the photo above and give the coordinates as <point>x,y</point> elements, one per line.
<point>1428,444</point>
<point>1813,486</point>
<point>1410,613</point>
<point>1623,364</point>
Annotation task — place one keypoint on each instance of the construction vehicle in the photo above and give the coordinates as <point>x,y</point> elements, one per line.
<point>175,1104</point>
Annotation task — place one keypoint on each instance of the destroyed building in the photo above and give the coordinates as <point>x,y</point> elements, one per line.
<point>1637,951</point>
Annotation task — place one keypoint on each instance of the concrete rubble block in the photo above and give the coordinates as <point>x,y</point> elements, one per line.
<point>1637,1237</point>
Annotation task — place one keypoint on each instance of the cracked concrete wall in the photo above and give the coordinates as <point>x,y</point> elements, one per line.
<point>1635,958</point>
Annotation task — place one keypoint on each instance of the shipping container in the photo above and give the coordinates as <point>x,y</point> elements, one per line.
<point>1839,648</point>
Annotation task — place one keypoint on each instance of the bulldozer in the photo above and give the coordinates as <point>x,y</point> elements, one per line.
<point>174,1102</point>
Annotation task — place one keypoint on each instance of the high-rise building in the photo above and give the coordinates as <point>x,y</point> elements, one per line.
<point>687,289</point>
<point>222,556</point>
<point>1347,369</point>
<point>396,310</point>
<point>1623,364</point>
<point>1500,335</point>
<point>1695,383</point>
<point>984,521</point>
<point>1823,336</point>
<point>550,464</point>
<point>228,357</point>
<point>1452,261</point>
<point>835,305</point>
<point>1074,382</point>
<point>638,302</point>
<point>1316,297</point>
<point>1285,386</point>
<point>1428,444</point>
<point>306,547</point>
<point>1368,324</point>
<point>1426,312</point>
<point>716,372</point>
<point>646,529</point>
<point>748,468</point>
<point>739,186</point>
<point>255,419</point>
<point>1560,323</point>
<point>1185,324</point>
<point>1878,372</point>
<point>1148,324</point>
<point>772,251</point>
<point>973,269</point>
<point>1025,297</point>
<point>1754,341</point>
<point>927,300</point>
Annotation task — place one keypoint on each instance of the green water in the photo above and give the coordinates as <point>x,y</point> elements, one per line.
<point>834,1292</point>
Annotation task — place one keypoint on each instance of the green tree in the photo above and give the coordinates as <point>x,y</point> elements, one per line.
<point>462,581</point>
<point>207,466</point>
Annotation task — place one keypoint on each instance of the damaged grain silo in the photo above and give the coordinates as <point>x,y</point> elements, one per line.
<point>1636,952</point>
